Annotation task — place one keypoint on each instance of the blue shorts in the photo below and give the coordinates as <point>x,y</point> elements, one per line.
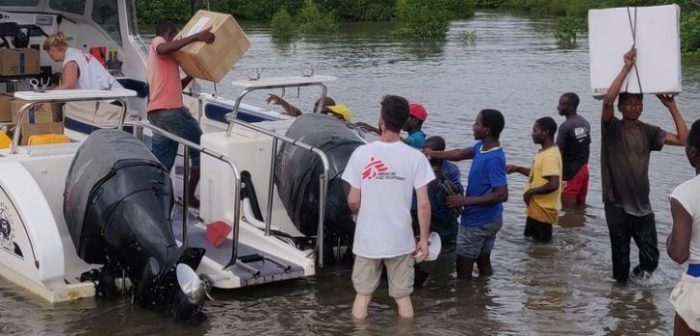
<point>474,241</point>
<point>179,122</point>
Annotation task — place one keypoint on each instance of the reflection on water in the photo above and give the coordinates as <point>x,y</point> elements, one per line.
<point>561,288</point>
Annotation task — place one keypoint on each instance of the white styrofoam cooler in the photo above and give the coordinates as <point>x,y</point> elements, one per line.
<point>657,42</point>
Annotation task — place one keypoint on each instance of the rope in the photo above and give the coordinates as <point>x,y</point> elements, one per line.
<point>633,29</point>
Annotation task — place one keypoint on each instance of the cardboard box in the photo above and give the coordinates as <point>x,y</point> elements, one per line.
<point>658,48</point>
<point>43,113</point>
<point>212,61</point>
<point>36,129</point>
<point>15,62</point>
<point>5,108</point>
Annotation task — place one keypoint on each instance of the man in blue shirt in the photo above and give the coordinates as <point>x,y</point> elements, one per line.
<point>487,189</point>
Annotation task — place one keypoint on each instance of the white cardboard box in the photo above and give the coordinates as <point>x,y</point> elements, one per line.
<point>657,42</point>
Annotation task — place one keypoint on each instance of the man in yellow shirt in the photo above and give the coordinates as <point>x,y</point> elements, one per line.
<point>542,195</point>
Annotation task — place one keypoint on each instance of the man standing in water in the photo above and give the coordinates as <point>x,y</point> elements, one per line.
<point>382,177</point>
<point>574,141</point>
<point>544,182</point>
<point>487,189</point>
<point>626,147</point>
<point>166,109</point>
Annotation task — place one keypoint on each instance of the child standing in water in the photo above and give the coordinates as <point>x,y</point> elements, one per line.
<point>544,185</point>
<point>683,243</point>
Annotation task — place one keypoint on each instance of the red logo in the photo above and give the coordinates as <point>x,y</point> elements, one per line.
<point>374,167</point>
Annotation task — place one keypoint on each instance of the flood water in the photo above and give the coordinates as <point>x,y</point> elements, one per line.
<point>564,287</point>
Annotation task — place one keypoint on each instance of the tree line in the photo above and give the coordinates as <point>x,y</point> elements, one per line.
<point>422,18</point>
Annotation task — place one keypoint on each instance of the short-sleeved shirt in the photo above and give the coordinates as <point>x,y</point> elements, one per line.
<point>386,175</point>
<point>164,86</point>
<point>688,195</point>
<point>92,74</point>
<point>487,172</point>
<point>545,207</point>
<point>574,141</point>
<point>439,212</point>
<point>416,139</point>
<point>624,157</point>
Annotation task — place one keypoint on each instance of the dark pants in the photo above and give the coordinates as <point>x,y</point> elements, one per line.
<point>622,227</point>
<point>539,231</point>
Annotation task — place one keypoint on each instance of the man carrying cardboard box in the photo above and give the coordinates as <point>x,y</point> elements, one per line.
<point>166,109</point>
<point>626,147</point>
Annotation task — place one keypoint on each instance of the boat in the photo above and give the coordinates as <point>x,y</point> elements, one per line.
<point>240,150</point>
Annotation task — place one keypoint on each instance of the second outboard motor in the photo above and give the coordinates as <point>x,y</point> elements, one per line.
<point>117,205</point>
<point>298,170</point>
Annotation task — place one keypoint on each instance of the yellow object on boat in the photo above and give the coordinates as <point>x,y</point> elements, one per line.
<point>5,141</point>
<point>48,139</point>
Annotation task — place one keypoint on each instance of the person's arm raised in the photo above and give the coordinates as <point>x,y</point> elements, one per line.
<point>679,138</point>
<point>167,48</point>
<point>629,58</point>
<point>457,154</point>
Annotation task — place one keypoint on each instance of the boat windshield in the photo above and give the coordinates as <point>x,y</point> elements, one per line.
<point>19,3</point>
<point>68,6</point>
<point>106,14</point>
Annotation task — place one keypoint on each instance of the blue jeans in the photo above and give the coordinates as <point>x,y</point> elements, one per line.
<point>179,122</point>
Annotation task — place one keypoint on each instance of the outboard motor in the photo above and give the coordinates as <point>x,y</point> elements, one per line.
<point>117,205</point>
<point>297,173</point>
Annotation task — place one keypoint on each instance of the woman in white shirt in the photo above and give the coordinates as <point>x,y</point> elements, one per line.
<point>83,71</point>
<point>80,71</point>
<point>683,244</point>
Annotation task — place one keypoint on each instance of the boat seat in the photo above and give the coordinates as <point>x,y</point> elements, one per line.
<point>50,150</point>
<point>218,113</point>
<point>48,139</point>
<point>5,141</point>
<point>140,87</point>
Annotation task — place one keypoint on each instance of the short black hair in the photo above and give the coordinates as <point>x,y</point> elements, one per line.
<point>435,142</point>
<point>547,124</point>
<point>694,135</point>
<point>493,119</point>
<point>328,101</point>
<point>394,112</point>
<point>625,96</point>
<point>164,28</point>
<point>572,98</point>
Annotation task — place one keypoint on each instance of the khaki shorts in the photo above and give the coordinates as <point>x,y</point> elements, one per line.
<point>366,274</point>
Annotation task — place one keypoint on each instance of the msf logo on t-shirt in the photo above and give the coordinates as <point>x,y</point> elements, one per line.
<point>377,170</point>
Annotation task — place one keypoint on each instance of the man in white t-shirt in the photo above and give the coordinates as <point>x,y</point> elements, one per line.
<point>382,176</point>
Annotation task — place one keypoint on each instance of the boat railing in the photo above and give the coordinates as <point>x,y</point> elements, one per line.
<point>34,98</point>
<point>187,147</point>
<point>256,84</point>
<point>323,178</point>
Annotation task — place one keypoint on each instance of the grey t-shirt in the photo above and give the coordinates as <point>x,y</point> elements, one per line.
<point>625,153</point>
<point>574,141</point>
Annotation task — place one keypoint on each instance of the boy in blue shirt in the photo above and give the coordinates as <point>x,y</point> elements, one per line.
<point>487,189</point>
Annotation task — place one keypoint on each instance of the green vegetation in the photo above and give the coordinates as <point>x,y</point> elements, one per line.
<point>423,19</point>
<point>282,26</point>
<point>312,21</point>
<point>574,13</point>
<point>568,29</point>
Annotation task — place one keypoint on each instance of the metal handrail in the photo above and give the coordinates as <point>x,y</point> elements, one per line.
<point>323,179</point>
<point>237,104</point>
<point>29,106</point>
<point>188,145</point>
